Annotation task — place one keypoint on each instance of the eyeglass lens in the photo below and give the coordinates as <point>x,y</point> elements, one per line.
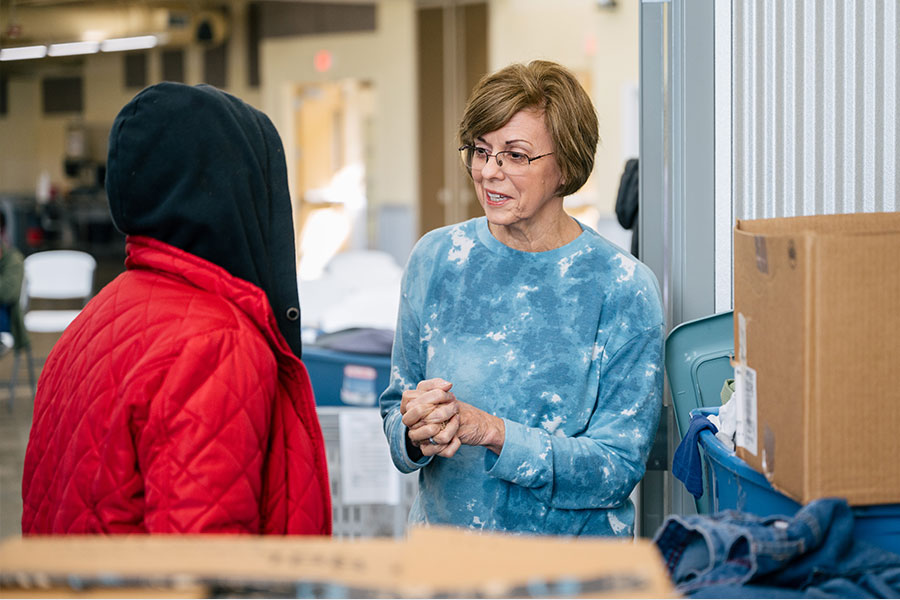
<point>508,161</point>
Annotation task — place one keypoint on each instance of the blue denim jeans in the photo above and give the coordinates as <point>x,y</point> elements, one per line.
<point>812,554</point>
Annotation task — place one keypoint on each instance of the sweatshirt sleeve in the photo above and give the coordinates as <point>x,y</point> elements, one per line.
<point>11,276</point>
<point>202,450</point>
<point>600,467</point>
<point>407,370</point>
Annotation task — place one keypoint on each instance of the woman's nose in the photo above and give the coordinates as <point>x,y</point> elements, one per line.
<point>491,168</point>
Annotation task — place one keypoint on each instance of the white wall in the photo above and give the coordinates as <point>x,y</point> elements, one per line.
<point>814,108</point>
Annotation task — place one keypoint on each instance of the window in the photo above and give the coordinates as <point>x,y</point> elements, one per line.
<point>62,95</point>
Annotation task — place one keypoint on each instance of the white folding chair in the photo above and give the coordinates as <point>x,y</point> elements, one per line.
<point>57,275</point>
<point>53,275</point>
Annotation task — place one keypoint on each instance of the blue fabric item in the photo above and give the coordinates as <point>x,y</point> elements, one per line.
<point>687,465</point>
<point>735,555</point>
<point>885,584</point>
<point>359,340</point>
<point>565,346</point>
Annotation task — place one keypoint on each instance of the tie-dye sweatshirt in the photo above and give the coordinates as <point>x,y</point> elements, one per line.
<point>564,345</point>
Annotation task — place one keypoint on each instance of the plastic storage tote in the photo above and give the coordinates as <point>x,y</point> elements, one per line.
<point>352,520</point>
<point>698,361</point>
<point>343,382</point>
<point>737,486</point>
<point>346,379</point>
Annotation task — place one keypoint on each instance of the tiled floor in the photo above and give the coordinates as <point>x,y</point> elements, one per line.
<point>15,424</point>
<point>13,438</point>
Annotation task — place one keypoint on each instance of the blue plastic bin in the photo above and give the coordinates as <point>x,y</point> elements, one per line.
<point>737,486</point>
<point>346,379</point>
<point>698,361</point>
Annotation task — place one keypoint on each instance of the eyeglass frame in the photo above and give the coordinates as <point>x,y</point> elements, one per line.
<point>496,154</point>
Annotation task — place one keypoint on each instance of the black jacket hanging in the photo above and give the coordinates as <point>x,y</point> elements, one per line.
<point>627,202</point>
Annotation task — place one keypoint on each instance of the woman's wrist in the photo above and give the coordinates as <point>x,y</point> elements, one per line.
<point>497,435</point>
<point>480,428</point>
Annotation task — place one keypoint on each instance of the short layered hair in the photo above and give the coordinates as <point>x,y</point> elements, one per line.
<point>551,89</point>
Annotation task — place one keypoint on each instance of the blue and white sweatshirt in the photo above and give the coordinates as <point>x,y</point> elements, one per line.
<point>564,345</point>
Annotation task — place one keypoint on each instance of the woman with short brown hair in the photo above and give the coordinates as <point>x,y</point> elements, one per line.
<point>527,362</point>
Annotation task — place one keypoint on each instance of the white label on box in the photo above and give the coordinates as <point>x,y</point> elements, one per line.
<point>745,397</point>
<point>367,474</point>
<point>742,338</point>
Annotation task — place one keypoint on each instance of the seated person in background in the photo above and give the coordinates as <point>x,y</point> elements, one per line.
<point>176,401</point>
<point>526,376</point>
<point>12,276</point>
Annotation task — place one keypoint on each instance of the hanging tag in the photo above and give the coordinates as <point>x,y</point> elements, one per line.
<point>745,395</point>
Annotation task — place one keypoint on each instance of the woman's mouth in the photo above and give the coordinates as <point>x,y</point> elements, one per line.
<point>494,199</point>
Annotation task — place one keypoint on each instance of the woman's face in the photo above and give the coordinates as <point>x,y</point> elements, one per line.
<point>521,200</point>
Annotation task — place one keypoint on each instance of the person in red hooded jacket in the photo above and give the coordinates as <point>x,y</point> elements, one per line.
<point>177,402</point>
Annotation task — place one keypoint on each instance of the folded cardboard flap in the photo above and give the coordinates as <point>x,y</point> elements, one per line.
<point>818,298</point>
<point>853,223</point>
<point>431,562</point>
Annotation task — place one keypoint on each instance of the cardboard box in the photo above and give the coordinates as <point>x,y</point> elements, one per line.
<point>430,563</point>
<point>817,344</point>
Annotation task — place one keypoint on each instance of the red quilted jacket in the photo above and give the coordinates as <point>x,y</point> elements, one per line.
<point>173,404</point>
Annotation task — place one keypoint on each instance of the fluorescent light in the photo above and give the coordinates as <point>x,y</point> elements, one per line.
<point>23,53</point>
<point>73,48</point>
<point>141,42</point>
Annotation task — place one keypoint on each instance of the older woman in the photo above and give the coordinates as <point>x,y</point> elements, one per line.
<point>527,365</point>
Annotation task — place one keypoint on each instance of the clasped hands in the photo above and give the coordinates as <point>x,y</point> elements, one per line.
<point>439,423</point>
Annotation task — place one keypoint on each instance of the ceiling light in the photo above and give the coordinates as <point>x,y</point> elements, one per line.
<point>141,42</point>
<point>73,48</point>
<point>23,53</point>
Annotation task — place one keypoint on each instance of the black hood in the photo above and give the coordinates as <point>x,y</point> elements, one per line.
<point>201,170</point>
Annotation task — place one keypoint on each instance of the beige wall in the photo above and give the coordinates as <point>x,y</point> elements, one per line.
<point>564,31</point>
<point>387,59</point>
<point>31,143</point>
<point>19,138</point>
<point>520,30</point>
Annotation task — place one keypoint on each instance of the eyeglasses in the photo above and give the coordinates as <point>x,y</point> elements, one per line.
<point>509,161</point>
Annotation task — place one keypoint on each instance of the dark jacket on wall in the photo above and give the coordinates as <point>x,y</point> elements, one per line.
<point>627,202</point>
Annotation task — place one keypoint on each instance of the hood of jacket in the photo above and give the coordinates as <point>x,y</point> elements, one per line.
<point>203,171</point>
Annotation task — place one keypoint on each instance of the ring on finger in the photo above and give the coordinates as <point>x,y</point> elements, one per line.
<point>432,442</point>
